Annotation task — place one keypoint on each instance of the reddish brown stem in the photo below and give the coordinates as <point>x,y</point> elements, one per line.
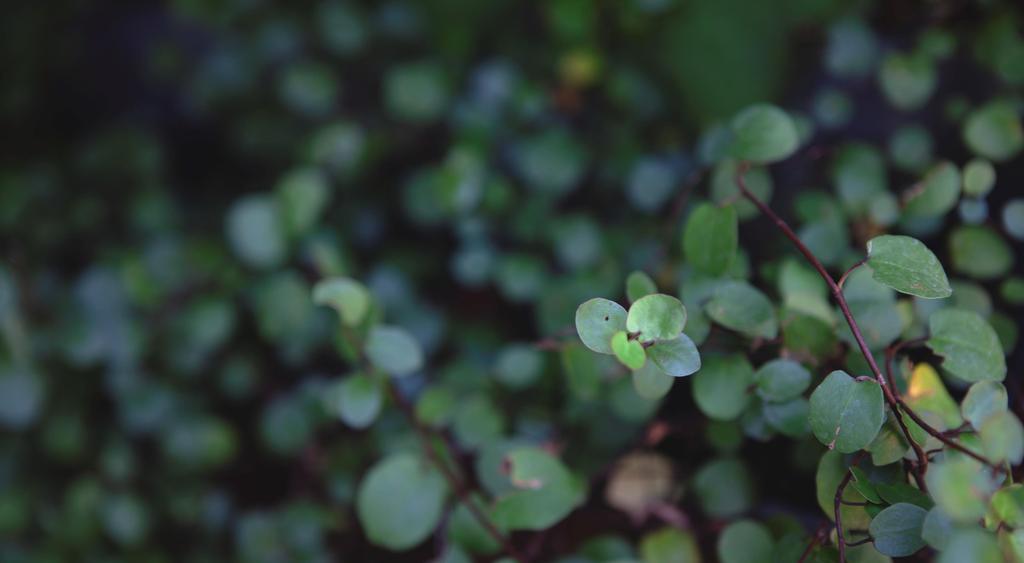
<point>837,293</point>
<point>838,505</point>
<point>454,481</point>
<point>425,438</point>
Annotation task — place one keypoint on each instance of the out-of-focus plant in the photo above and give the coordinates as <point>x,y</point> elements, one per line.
<point>458,281</point>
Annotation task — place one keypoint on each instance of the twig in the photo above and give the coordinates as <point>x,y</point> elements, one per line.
<point>815,540</point>
<point>425,439</point>
<point>837,293</point>
<point>842,280</point>
<point>838,505</point>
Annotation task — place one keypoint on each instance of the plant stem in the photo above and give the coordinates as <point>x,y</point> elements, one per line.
<point>838,505</point>
<point>425,436</point>
<point>454,481</point>
<point>837,293</point>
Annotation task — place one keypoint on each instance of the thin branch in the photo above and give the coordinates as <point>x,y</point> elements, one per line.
<point>454,481</point>
<point>837,293</point>
<point>860,542</point>
<point>838,505</point>
<point>842,280</point>
<point>815,540</point>
<point>425,438</point>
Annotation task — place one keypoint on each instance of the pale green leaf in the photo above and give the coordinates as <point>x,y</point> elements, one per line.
<point>677,357</point>
<point>597,320</point>
<point>764,133</point>
<point>846,414</point>
<point>741,307</point>
<point>628,351</point>
<point>908,266</point>
<point>400,501</point>
<point>968,344</point>
<point>656,317</point>
<point>711,237</point>
<point>896,531</point>
<point>348,297</point>
<point>393,350</point>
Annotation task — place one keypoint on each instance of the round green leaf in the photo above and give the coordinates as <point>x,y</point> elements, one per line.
<point>256,232</point>
<point>980,252</point>
<point>764,133</point>
<point>720,388</point>
<point>597,320</point>
<point>677,357</point>
<point>908,266</point>
<point>896,531</point>
<point>651,382</point>
<point>348,297</point>
<point>544,491</point>
<point>356,400</point>
<point>936,528</point>
<point>979,178</point>
<point>519,365</point>
<point>669,545</point>
<point>656,317</point>
<point>789,417</point>
<point>993,131</point>
<point>1008,505</point>
<point>711,237</point>
<point>745,541</point>
<point>741,307</point>
<point>400,501</point>
<point>724,488</point>
<point>968,344</point>
<point>936,194</point>
<point>973,545</point>
<point>393,350</point>
<point>1013,218</point>
<point>961,487</point>
<point>1002,438</point>
<point>639,284</point>
<point>628,351</point>
<point>907,80</point>
<point>983,399</point>
<point>846,414</point>
<point>781,380</point>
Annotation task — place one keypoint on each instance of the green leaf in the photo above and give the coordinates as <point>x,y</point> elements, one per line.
<point>789,418</point>
<point>896,531</point>
<point>764,133</point>
<point>711,237</point>
<point>677,357</point>
<point>518,365</point>
<point>583,370</point>
<point>544,491</point>
<point>993,131</point>
<point>890,445</point>
<point>864,486</point>
<point>348,297</point>
<point>1008,505</point>
<point>894,493</point>
<point>656,317</point>
<point>400,501</point>
<point>1013,218</point>
<point>741,307</point>
<point>846,414</point>
<point>908,266</point>
<point>393,350</point>
<point>630,352</point>
<point>936,529</point>
<point>961,487</point>
<point>980,252</point>
<point>303,194</point>
<point>745,541</point>
<point>907,80</point>
<point>972,545</point>
<point>781,380</point>
<point>968,344</point>
<point>979,178</point>
<point>652,383</point>
<point>724,488</point>
<point>927,395</point>
<point>724,189</point>
<point>669,545</point>
<point>720,388</point>
<point>597,320</point>
<point>832,469</point>
<point>984,399</point>
<point>356,400</point>
<point>936,194</point>
<point>639,284</point>
<point>1002,438</point>
<point>256,232</point>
